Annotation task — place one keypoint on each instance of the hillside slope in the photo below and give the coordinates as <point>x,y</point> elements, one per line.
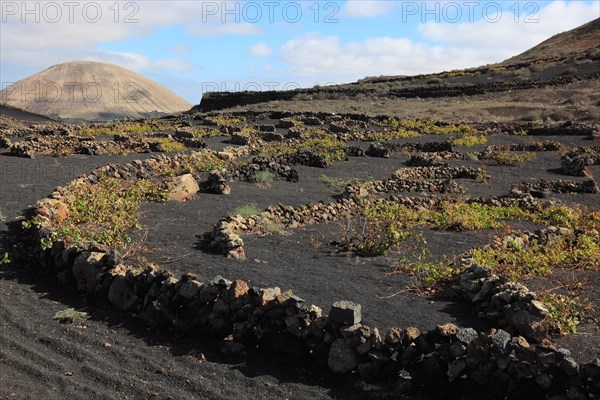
<point>91,90</point>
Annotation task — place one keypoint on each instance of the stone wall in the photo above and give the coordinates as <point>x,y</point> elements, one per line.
<point>223,100</point>
<point>456,361</point>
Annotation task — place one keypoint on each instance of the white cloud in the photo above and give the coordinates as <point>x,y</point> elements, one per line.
<point>461,45</point>
<point>314,54</point>
<point>243,28</point>
<point>508,37</point>
<point>260,50</point>
<point>367,8</point>
<point>63,33</point>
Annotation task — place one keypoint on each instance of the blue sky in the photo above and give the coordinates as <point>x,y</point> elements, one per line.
<point>192,46</point>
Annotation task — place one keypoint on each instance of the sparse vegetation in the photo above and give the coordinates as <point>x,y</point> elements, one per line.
<point>113,128</point>
<point>389,135</point>
<point>564,312</point>
<point>69,316</point>
<point>472,216</point>
<point>224,121</point>
<point>247,210</point>
<point>511,158</point>
<point>266,226</point>
<point>516,259</point>
<point>168,145</point>
<point>469,140</point>
<point>104,213</point>
<point>192,164</point>
<point>264,179</point>
<point>337,182</point>
<point>5,259</point>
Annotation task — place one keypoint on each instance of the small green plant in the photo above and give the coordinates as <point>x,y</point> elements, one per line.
<point>168,145</point>
<point>69,316</point>
<point>377,229</point>
<point>389,135</point>
<point>564,312</point>
<point>337,182</point>
<point>471,157</point>
<point>105,212</point>
<point>510,158</point>
<point>264,179</point>
<point>472,216</point>
<point>330,149</point>
<point>270,227</point>
<point>469,140</point>
<point>203,132</point>
<point>5,259</point>
<point>192,163</point>
<point>247,210</point>
<point>223,121</point>
<point>515,259</point>
<point>432,128</point>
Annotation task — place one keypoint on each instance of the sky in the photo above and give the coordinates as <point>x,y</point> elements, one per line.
<point>195,46</point>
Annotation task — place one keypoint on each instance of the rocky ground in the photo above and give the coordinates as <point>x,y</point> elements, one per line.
<point>95,358</point>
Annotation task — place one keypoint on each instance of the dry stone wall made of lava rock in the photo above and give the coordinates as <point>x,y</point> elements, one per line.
<point>448,359</point>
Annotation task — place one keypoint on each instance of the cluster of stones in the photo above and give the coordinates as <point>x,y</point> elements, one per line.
<point>405,361</point>
<point>217,182</point>
<point>385,149</point>
<point>547,236</point>
<point>540,186</point>
<point>439,173</point>
<point>5,141</point>
<point>548,145</point>
<point>443,186</point>
<point>248,171</point>
<point>495,363</point>
<point>226,235</point>
<point>568,128</point>
<point>433,159</point>
<point>223,100</point>
<point>576,161</point>
<point>306,157</point>
<point>157,166</point>
<point>226,238</point>
<point>511,304</point>
<point>54,145</point>
<point>418,179</point>
<point>88,145</point>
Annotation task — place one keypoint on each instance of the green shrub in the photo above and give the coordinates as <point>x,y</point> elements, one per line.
<point>106,212</point>
<point>224,121</point>
<point>264,178</point>
<point>515,260</point>
<point>510,158</point>
<point>472,216</point>
<point>270,227</point>
<point>564,312</point>
<point>469,140</point>
<point>69,316</point>
<point>168,145</point>
<point>191,164</point>
<point>396,134</point>
<point>247,210</point>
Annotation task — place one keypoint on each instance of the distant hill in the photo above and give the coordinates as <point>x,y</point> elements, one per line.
<point>564,45</point>
<point>85,90</point>
<point>556,80</point>
<point>21,115</point>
